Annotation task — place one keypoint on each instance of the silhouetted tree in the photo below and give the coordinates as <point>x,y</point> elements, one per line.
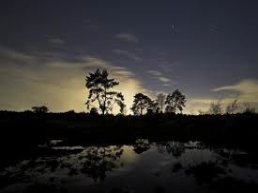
<point>99,86</point>
<point>169,109</point>
<point>175,101</point>
<point>232,107</point>
<point>248,109</point>
<point>153,108</point>
<point>93,111</point>
<point>215,108</point>
<point>141,103</point>
<point>161,99</point>
<point>40,109</point>
<point>150,111</point>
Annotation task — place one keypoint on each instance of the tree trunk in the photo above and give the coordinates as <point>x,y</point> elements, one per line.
<point>105,99</point>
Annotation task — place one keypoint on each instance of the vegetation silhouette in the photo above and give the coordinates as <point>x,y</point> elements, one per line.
<point>232,107</point>
<point>215,108</point>
<point>141,103</point>
<point>40,109</point>
<point>161,99</point>
<point>175,101</point>
<point>99,86</point>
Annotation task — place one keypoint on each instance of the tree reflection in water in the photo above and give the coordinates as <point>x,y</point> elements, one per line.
<point>93,161</point>
<point>60,168</point>
<point>171,147</point>
<point>100,160</point>
<point>141,145</point>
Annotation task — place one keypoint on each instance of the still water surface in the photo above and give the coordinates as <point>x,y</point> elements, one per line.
<point>144,166</point>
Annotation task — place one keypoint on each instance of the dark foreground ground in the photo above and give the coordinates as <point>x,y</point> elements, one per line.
<point>31,128</point>
<point>71,152</point>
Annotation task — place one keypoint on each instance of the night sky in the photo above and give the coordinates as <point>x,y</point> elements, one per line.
<point>206,48</point>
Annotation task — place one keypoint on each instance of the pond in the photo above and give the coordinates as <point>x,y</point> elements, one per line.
<point>143,166</point>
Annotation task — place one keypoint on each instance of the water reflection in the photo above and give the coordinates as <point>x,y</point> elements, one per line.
<point>97,161</point>
<point>144,166</point>
<point>171,147</point>
<point>141,145</point>
<point>205,172</point>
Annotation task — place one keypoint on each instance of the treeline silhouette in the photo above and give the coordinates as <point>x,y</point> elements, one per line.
<point>27,128</point>
<point>102,98</point>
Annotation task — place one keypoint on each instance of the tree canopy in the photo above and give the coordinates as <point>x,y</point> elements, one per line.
<point>141,104</point>
<point>99,86</point>
<point>40,109</point>
<point>161,99</point>
<point>175,101</point>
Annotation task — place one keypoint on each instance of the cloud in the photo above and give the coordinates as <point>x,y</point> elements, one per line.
<point>7,54</point>
<point>85,62</point>
<point>127,37</point>
<point>122,72</point>
<point>127,54</point>
<point>57,41</point>
<point>164,79</point>
<point>57,82</point>
<point>160,76</point>
<point>154,73</point>
<point>246,89</point>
